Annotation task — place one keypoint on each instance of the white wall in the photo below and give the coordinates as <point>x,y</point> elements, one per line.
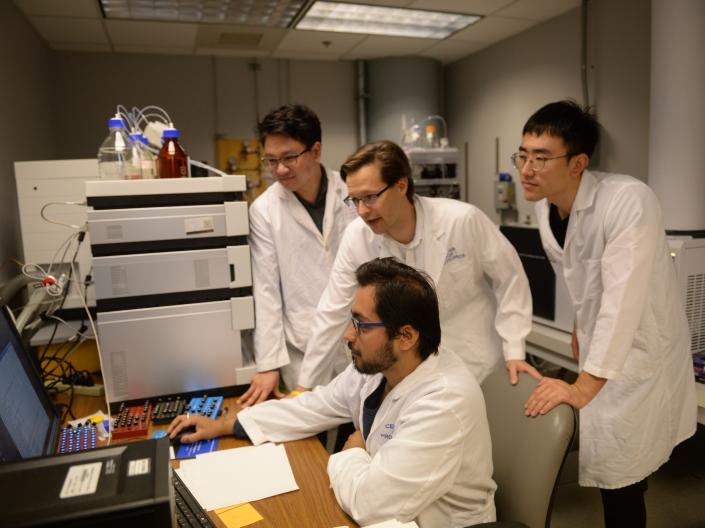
<point>492,93</point>
<point>26,124</point>
<point>205,97</point>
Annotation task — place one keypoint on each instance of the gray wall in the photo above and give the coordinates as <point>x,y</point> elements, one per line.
<point>205,97</point>
<point>401,86</point>
<point>26,126</point>
<point>491,93</point>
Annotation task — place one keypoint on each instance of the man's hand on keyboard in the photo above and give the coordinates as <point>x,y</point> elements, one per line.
<point>206,428</point>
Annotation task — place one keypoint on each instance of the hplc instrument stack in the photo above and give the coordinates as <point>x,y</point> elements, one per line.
<point>173,284</point>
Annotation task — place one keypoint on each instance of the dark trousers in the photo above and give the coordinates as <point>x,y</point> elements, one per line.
<point>625,507</point>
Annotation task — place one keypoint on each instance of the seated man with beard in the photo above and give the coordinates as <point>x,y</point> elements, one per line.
<point>421,450</point>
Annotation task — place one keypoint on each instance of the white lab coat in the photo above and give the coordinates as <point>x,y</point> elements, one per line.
<point>631,328</point>
<point>428,454</point>
<point>460,249</point>
<point>291,262</point>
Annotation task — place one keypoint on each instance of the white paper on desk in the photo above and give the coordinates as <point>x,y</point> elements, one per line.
<point>393,523</point>
<point>234,476</point>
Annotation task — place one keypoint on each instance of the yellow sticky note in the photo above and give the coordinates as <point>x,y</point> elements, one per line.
<point>238,516</point>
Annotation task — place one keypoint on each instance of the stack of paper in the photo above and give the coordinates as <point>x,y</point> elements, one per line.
<point>235,476</point>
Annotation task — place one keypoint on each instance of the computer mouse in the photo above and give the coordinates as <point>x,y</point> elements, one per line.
<point>184,432</point>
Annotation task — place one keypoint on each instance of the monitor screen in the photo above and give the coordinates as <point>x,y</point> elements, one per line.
<point>28,419</point>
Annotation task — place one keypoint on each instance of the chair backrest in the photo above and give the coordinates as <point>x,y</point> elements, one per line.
<point>528,453</point>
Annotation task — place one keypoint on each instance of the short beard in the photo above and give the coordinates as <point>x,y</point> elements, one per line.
<point>384,360</point>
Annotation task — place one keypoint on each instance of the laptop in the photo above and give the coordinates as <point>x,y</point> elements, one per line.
<point>29,421</point>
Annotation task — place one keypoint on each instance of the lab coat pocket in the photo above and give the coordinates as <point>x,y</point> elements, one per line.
<point>642,360</point>
<point>452,284</point>
<point>584,280</point>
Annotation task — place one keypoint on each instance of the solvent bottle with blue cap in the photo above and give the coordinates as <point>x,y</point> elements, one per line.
<point>114,153</point>
<point>172,161</point>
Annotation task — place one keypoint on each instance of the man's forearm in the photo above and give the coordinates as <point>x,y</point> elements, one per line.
<point>585,389</point>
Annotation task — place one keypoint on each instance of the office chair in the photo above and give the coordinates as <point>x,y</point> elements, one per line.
<point>528,453</point>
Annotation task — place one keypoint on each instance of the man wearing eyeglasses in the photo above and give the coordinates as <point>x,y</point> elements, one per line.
<point>421,449</point>
<point>482,288</point>
<point>604,233</point>
<point>295,229</point>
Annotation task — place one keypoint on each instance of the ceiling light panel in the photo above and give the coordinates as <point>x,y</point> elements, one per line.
<point>273,13</point>
<point>378,20</point>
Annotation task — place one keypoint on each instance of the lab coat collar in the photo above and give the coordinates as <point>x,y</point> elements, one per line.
<point>299,213</point>
<point>584,199</point>
<point>586,192</point>
<point>433,238</point>
<point>335,195</point>
<point>422,372</point>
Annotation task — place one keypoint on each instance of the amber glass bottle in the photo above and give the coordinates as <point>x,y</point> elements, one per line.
<point>172,161</point>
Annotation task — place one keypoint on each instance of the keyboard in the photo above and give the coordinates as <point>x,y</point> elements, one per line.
<point>188,512</point>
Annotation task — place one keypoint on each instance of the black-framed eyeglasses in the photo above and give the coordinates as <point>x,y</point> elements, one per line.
<point>368,199</point>
<point>520,159</point>
<point>357,324</point>
<point>287,161</point>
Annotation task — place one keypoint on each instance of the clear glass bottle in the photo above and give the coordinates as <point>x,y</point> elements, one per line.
<point>135,158</point>
<point>149,160</point>
<point>115,153</point>
<point>172,161</point>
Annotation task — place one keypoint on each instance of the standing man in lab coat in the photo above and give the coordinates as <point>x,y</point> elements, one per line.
<point>295,229</point>
<point>421,449</point>
<point>483,292</point>
<point>604,233</point>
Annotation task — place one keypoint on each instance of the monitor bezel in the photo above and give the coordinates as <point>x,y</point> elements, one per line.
<point>7,323</point>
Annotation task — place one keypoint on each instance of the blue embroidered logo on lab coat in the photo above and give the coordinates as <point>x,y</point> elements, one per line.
<point>388,431</point>
<point>453,255</point>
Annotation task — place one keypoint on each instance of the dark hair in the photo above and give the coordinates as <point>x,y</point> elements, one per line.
<point>576,126</point>
<point>392,161</point>
<point>295,121</point>
<point>403,296</point>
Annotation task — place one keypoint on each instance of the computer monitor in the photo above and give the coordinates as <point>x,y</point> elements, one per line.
<point>29,423</point>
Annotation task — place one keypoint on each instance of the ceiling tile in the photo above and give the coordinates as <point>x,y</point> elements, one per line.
<point>492,29</point>
<point>62,8</point>
<point>297,40</point>
<point>538,9</point>
<point>469,7</point>
<point>55,29</point>
<point>159,34</point>
<point>376,46</point>
<point>451,50</point>
<point>219,52</point>
<point>78,25</point>
<point>238,38</point>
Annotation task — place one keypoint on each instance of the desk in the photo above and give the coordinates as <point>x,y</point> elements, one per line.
<point>313,505</point>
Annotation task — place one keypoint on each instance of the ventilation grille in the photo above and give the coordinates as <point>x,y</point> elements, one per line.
<point>695,312</point>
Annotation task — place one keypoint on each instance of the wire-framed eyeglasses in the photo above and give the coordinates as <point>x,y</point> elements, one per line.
<point>357,324</point>
<point>520,159</point>
<point>287,161</point>
<point>367,200</point>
